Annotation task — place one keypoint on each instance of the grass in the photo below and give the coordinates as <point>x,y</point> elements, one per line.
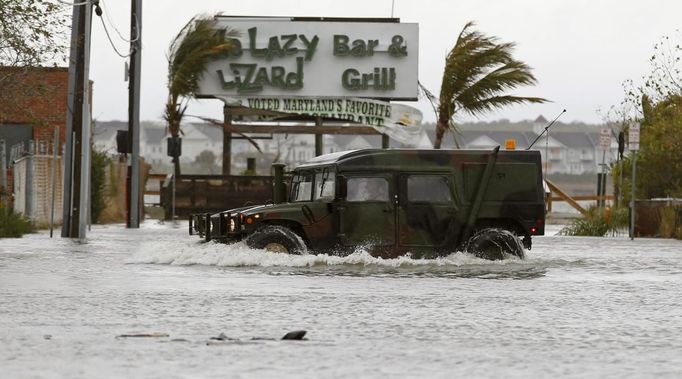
<point>597,223</point>
<point>13,225</point>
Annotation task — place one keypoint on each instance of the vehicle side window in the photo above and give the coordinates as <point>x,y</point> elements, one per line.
<point>428,189</point>
<point>324,185</point>
<point>367,189</point>
<point>302,188</point>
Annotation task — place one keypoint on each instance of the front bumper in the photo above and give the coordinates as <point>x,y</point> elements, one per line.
<point>220,226</point>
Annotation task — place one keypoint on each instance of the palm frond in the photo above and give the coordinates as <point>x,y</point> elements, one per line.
<point>193,48</point>
<point>231,129</point>
<point>478,70</point>
<point>189,54</point>
<point>433,100</point>
<point>491,103</point>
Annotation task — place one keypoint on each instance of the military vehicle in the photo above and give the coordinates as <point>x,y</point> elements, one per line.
<point>392,202</point>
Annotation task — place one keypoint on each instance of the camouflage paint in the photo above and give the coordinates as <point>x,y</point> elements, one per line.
<point>510,198</point>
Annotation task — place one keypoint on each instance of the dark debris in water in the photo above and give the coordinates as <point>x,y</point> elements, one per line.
<point>144,335</point>
<point>221,339</point>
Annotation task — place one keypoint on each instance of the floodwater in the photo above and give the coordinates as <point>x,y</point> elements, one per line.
<point>576,307</point>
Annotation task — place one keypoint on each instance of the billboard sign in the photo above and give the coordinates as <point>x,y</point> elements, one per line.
<point>289,57</point>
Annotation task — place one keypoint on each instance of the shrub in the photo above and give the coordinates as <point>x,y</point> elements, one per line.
<point>13,225</point>
<point>597,223</point>
<point>100,161</point>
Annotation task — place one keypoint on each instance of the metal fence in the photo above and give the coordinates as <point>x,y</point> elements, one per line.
<point>32,147</point>
<point>34,189</point>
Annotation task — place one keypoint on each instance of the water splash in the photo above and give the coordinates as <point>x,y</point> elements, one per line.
<point>360,262</point>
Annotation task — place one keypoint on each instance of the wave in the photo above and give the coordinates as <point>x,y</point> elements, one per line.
<point>240,255</point>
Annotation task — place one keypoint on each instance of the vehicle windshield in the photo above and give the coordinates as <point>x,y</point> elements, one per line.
<point>316,185</point>
<point>301,187</point>
<point>324,185</point>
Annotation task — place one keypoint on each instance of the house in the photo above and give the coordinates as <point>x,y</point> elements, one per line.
<point>566,148</point>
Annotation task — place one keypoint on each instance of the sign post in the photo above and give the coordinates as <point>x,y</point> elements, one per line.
<point>604,145</point>
<point>633,144</point>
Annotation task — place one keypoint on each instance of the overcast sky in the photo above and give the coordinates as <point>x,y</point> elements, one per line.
<point>581,50</point>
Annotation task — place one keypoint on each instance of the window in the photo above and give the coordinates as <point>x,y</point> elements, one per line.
<point>428,189</point>
<point>324,185</point>
<point>301,187</point>
<point>367,189</point>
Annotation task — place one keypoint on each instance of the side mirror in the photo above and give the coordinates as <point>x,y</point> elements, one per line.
<point>341,187</point>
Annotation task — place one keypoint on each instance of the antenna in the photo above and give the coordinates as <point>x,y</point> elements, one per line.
<point>392,7</point>
<point>546,129</point>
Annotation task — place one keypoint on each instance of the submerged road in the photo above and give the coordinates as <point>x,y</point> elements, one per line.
<point>577,307</point>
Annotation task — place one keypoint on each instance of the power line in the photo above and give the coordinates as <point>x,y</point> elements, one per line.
<point>113,25</point>
<point>73,4</point>
<point>112,42</point>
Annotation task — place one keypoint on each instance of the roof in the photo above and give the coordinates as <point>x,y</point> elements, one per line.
<point>326,158</point>
<point>154,135</point>
<point>540,120</point>
<point>523,139</point>
<point>421,159</point>
<point>105,131</point>
<point>574,140</point>
<point>212,132</point>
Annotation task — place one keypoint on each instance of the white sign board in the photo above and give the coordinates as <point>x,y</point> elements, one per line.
<point>399,121</point>
<point>362,111</point>
<point>605,139</point>
<point>283,57</point>
<point>633,137</point>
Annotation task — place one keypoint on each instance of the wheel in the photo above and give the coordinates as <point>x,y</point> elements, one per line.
<point>277,239</point>
<point>494,244</point>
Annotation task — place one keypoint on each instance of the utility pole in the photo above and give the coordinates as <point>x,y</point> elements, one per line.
<point>133,177</point>
<point>633,145</point>
<point>77,149</point>
<point>3,175</point>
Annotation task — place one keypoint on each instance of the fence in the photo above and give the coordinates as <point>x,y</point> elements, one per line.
<point>32,165</point>
<point>659,218</point>
<point>214,193</point>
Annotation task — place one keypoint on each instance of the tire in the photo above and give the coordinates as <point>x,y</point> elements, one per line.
<point>495,244</point>
<point>277,239</point>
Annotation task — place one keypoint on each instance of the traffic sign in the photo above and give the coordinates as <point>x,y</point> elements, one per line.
<point>633,137</point>
<point>605,139</point>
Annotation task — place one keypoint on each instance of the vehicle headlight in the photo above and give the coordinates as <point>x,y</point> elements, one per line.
<point>233,225</point>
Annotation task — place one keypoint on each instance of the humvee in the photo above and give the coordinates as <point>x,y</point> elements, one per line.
<point>426,203</point>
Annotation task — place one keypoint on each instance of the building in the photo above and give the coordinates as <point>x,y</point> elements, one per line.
<point>33,104</point>
<point>571,149</point>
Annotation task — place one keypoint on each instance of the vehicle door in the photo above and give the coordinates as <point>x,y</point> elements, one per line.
<point>320,225</point>
<point>427,211</point>
<point>369,210</point>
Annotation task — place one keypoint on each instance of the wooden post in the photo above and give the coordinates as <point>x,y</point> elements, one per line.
<point>227,140</point>
<point>554,188</point>
<point>318,138</point>
<point>385,142</point>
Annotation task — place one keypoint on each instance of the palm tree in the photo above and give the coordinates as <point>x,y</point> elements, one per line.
<point>197,44</point>
<point>478,70</point>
